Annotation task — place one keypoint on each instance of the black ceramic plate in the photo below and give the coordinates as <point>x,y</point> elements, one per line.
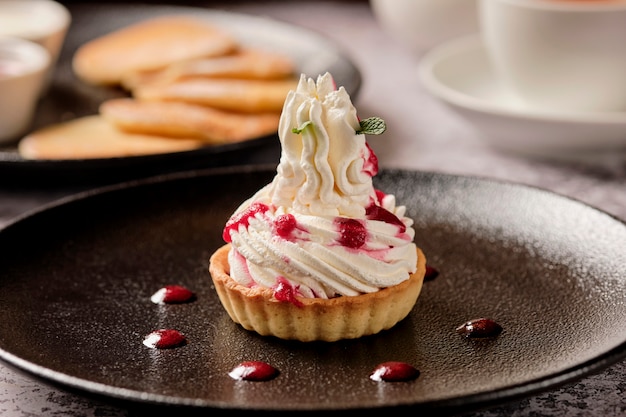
<point>68,97</point>
<point>76,280</point>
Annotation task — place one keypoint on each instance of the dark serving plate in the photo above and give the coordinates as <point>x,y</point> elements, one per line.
<point>69,97</point>
<point>76,279</point>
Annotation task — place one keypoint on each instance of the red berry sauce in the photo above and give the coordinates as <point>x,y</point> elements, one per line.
<point>380,195</point>
<point>394,372</point>
<point>253,371</point>
<point>172,294</point>
<point>431,273</point>
<point>284,291</point>
<point>352,232</point>
<point>284,225</point>
<point>242,218</point>
<point>370,166</point>
<point>374,212</point>
<point>479,328</point>
<point>164,339</point>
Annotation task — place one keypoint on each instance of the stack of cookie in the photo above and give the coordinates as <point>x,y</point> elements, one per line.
<point>190,84</point>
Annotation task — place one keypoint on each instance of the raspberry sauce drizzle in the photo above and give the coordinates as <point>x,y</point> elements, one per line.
<point>242,218</point>
<point>370,164</point>
<point>380,195</point>
<point>374,212</point>
<point>284,291</point>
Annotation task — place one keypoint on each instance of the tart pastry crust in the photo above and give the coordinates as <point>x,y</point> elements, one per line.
<point>314,319</point>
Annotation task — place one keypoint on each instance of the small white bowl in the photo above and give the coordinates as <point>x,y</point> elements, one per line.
<point>45,22</point>
<point>422,24</point>
<point>23,68</point>
<point>459,74</point>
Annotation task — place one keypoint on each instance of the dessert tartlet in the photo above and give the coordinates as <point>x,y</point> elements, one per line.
<point>310,319</point>
<point>319,253</point>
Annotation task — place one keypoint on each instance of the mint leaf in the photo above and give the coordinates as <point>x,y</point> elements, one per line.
<point>372,126</point>
<point>298,130</point>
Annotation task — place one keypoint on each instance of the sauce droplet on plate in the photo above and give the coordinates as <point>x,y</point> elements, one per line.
<point>394,371</point>
<point>164,339</point>
<point>431,273</point>
<point>253,371</point>
<point>172,294</point>
<point>479,328</point>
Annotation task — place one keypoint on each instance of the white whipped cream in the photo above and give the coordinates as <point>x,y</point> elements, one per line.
<point>320,224</point>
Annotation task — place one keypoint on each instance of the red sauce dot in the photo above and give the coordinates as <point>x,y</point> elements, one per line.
<point>479,328</point>
<point>394,372</point>
<point>164,339</point>
<point>352,232</point>
<point>253,371</point>
<point>172,294</point>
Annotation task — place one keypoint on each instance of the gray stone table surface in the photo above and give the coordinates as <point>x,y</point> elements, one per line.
<point>422,134</point>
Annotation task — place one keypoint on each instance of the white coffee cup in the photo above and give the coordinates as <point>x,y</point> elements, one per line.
<point>422,24</point>
<point>559,55</point>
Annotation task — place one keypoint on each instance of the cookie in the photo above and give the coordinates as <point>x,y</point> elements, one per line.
<point>249,96</point>
<point>250,63</point>
<point>178,119</point>
<point>148,45</point>
<point>94,137</point>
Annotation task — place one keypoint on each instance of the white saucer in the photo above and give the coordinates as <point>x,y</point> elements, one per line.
<point>460,75</point>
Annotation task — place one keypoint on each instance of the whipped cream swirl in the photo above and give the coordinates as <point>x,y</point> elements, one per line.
<point>320,228</point>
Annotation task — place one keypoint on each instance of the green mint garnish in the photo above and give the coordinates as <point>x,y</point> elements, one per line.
<point>372,126</point>
<point>369,126</point>
<point>298,130</point>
